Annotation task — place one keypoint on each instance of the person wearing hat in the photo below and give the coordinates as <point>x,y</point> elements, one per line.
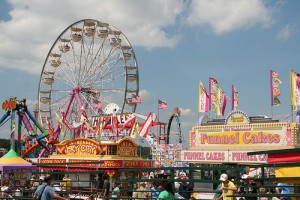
<point>228,188</point>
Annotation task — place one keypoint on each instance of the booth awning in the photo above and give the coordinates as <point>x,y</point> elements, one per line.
<point>284,157</point>
<point>11,160</point>
<point>64,169</point>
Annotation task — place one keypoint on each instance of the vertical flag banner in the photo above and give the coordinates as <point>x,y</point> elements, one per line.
<point>295,89</point>
<point>234,98</point>
<point>221,102</point>
<point>162,104</point>
<point>203,103</point>
<point>213,89</point>
<point>274,84</point>
<point>136,99</point>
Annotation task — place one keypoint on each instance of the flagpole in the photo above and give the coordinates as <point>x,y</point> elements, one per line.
<point>209,100</point>
<point>232,97</point>
<point>291,95</point>
<point>271,92</point>
<point>271,111</point>
<point>198,103</point>
<point>157,111</point>
<point>292,115</point>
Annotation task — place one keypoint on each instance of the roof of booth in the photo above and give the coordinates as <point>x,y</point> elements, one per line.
<point>11,160</point>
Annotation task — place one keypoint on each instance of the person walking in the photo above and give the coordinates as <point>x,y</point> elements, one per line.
<point>167,192</point>
<point>155,190</point>
<point>115,193</point>
<point>282,188</point>
<point>228,188</point>
<point>46,192</point>
<point>185,189</point>
<point>106,187</point>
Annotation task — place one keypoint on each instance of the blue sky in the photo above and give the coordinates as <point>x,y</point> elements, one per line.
<point>176,43</point>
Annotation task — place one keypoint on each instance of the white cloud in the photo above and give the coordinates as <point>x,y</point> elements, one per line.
<point>186,111</point>
<point>227,15</point>
<point>34,26</point>
<point>285,32</point>
<point>146,95</point>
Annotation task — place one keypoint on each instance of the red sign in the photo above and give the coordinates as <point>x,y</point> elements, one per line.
<point>53,161</point>
<point>144,163</point>
<point>83,164</point>
<point>111,164</point>
<point>79,146</point>
<point>131,163</point>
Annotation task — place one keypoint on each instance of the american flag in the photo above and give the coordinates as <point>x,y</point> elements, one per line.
<point>136,99</point>
<point>98,105</point>
<point>162,104</point>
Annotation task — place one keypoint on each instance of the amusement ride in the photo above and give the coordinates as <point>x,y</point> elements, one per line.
<point>86,86</point>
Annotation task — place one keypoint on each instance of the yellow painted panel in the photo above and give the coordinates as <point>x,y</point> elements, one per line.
<point>284,172</point>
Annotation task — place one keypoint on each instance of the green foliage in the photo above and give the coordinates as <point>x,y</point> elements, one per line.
<point>5,143</point>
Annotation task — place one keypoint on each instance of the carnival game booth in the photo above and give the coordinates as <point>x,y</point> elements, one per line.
<point>15,170</point>
<point>86,161</point>
<point>226,142</point>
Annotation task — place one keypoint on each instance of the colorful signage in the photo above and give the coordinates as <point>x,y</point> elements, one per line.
<point>97,163</point>
<point>237,117</point>
<point>111,164</point>
<point>85,163</point>
<point>137,163</point>
<point>222,157</point>
<point>242,137</point>
<point>53,161</point>
<point>126,148</point>
<point>165,154</point>
<point>122,118</point>
<point>80,146</point>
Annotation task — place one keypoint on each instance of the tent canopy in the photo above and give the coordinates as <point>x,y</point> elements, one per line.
<point>11,160</point>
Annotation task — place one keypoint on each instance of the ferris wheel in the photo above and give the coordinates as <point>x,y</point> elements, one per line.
<point>90,65</point>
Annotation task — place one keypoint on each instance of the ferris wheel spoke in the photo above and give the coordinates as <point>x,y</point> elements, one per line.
<point>100,79</point>
<point>102,63</point>
<point>62,80</point>
<point>65,69</point>
<point>63,91</point>
<point>108,72</point>
<point>76,62</point>
<point>93,68</point>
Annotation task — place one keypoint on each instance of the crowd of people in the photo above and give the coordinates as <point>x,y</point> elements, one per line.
<point>163,189</point>
<point>249,189</point>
